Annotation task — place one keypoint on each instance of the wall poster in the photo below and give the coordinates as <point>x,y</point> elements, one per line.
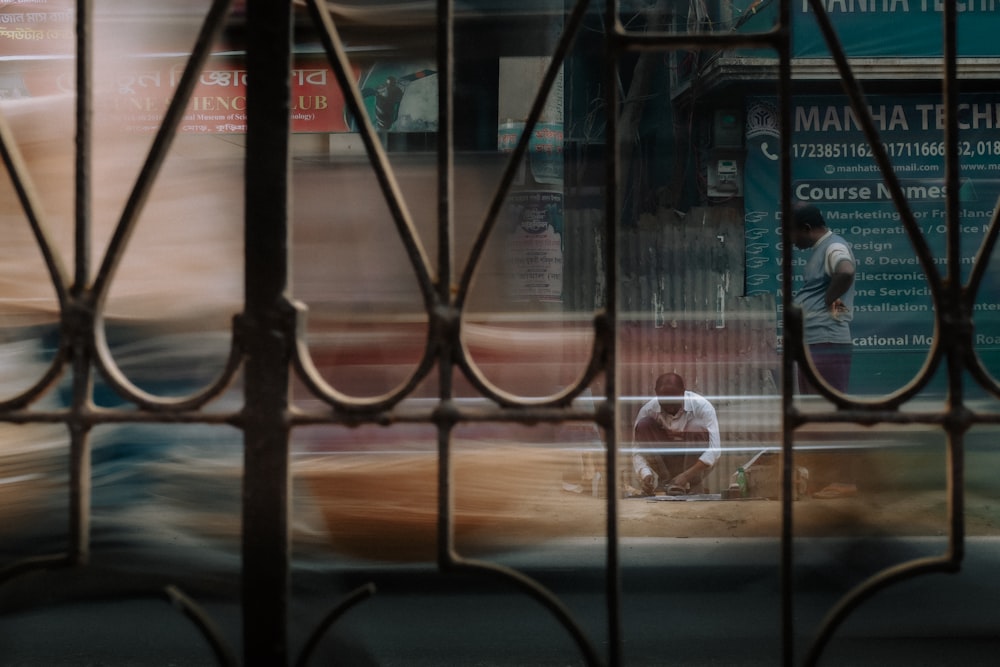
<point>833,168</point>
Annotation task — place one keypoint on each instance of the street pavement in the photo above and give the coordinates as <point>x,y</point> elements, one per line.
<point>684,602</point>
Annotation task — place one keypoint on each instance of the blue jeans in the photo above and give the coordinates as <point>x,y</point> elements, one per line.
<point>833,361</point>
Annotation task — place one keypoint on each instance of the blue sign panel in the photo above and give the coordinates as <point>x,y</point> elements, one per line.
<point>833,168</point>
<point>913,27</point>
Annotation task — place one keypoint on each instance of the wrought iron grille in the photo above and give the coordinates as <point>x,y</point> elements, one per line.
<point>269,351</point>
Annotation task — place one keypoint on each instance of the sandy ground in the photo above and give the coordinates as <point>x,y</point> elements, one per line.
<point>369,517</point>
<point>525,503</point>
<point>384,506</point>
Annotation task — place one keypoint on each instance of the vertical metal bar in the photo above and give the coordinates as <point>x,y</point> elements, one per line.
<point>80,488</point>
<point>447,316</point>
<point>207,36</point>
<point>446,146</point>
<point>787,358</point>
<point>267,335</point>
<point>74,323</point>
<point>613,579</point>
<point>951,165</point>
<point>84,114</point>
<point>959,319</point>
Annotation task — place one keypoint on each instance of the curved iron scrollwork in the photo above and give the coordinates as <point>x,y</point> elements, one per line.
<point>269,346</point>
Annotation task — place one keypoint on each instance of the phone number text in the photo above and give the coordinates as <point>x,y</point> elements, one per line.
<point>903,149</point>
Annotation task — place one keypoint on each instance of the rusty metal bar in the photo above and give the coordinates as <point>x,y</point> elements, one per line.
<point>861,111</point>
<point>520,149</point>
<point>334,48</point>
<point>31,203</point>
<point>356,596</point>
<point>77,319</point>
<point>337,58</point>
<point>267,327</point>
<point>445,41</point>
<point>472,373</point>
<point>84,115</point>
<point>447,322</point>
<point>608,413</point>
<point>787,360</point>
<point>953,341</point>
<point>210,30</point>
<point>206,626</point>
<point>445,316</point>
<point>268,330</point>
<point>958,322</point>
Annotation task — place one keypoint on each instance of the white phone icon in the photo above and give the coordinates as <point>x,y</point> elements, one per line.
<point>768,154</point>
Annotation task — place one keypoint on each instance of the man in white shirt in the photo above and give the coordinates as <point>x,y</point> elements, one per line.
<point>684,430</point>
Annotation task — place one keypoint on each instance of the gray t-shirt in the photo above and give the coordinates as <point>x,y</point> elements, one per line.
<point>819,324</point>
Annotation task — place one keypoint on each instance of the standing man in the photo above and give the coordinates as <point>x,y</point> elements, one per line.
<point>686,429</point>
<point>826,297</point>
<point>387,99</point>
<point>827,302</point>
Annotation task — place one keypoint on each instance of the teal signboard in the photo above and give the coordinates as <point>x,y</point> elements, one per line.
<point>833,168</point>
<point>881,28</point>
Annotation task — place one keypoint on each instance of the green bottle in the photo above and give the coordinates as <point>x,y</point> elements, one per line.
<point>741,479</point>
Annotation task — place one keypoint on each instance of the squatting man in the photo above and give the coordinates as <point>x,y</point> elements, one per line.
<point>683,429</point>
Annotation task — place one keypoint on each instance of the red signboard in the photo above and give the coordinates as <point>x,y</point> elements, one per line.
<point>218,104</point>
<point>137,95</point>
<point>134,78</point>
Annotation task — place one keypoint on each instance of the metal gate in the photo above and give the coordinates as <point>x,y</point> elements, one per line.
<point>269,351</point>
